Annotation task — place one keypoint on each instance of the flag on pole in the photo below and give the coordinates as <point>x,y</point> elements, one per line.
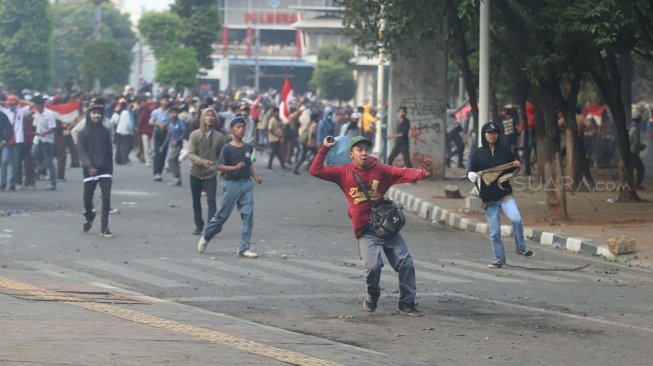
<point>287,96</point>
<point>67,112</point>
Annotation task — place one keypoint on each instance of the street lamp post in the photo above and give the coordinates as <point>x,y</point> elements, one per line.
<point>97,22</point>
<point>484,68</point>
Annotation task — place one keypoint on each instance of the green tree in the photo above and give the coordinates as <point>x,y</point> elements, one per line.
<point>73,25</point>
<point>202,27</point>
<point>332,77</point>
<point>106,60</point>
<point>162,31</point>
<point>25,43</point>
<point>178,66</point>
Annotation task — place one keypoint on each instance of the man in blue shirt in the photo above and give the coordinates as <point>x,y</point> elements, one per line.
<point>174,141</point>
<point>160,119</point>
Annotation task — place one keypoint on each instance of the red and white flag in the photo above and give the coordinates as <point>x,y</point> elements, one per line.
<point>65,113</point>
<point>287,96</point>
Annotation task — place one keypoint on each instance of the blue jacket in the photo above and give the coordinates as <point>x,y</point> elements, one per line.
<point>326,127</point>
<point>176,132</point>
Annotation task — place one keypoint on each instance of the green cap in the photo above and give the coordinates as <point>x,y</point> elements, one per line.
<point>357,140</point>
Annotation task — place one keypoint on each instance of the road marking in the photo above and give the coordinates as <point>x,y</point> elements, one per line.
<point>360,271</point>
<point>241,344</point>
<point>123,271</point>
<point>464,272</point>
<point>247,272</point>
<point>238,298</point>
<point>517,273</point>
<point>322,277</point>
<point>195,274</point>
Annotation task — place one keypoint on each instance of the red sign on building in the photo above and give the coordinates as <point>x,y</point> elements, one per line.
<point>270,18</point>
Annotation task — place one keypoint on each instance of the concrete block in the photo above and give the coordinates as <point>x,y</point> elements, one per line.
<point>473,204</point>
<point>621,245</point>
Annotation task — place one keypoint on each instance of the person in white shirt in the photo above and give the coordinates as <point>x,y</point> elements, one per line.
<point>121,119</point>
<point>43,146</point>
<point>12,152</point>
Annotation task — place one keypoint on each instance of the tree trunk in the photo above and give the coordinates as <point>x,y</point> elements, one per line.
<point>567,98</point>
<point>607,77</point>
<point>549,156</point>
<point>522,87</point>
<point>462,52</point>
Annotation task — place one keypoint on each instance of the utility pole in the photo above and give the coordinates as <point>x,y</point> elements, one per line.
<point>97,22</point>
<point>257,50</point>
<point>484,68</point>
<point>380,71</point>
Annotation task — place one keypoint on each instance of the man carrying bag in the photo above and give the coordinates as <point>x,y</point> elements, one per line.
<point>376,178</point>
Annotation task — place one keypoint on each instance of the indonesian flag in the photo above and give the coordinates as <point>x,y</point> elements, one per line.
<point>65,113</point>
<point>594,111</point>
<point>287,97</point>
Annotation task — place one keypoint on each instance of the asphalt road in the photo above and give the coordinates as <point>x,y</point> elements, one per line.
<point>308,278</point>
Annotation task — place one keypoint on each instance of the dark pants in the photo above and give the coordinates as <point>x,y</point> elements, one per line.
<point>210,187</point>
<point>639,166</point>
<point>44,150</point>
<point>302,158</point>
<point>159,156</point>
<point>64,145</point>
<point>124,144</point>
<point>89,189</point>
<point>405,153</point>
<point>275,150</point>
<point>28,179</point>
<point>454,137</point>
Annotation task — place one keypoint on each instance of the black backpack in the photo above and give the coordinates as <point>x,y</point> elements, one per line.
<point>386,217</point>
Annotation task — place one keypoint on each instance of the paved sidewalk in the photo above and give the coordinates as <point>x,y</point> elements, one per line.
<point>594,217</point>
<point>46,321</point>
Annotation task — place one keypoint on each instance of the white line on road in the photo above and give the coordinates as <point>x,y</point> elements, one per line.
<point>189,272</point>
<point>464,272</point>
<point>131,274</point>
<point>322,277</point>
<point>247,271</point>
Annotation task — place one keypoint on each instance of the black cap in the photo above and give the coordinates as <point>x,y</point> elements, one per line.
<point>236,120</point>
<point>491,127</point>
<point>38,100</point>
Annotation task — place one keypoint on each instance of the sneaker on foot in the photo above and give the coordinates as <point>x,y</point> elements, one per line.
<point>157,178</point>
<point>247,254</point>
<point>88,223</point>
<point>197,231</point>
<point>495,265</point>
<point>114,211</point>
<point>525,253</point>
<point>370,303</point>
<point>201,244</point>
<point>176,182</point>
<point>106,234</point>
<point>409,309</point>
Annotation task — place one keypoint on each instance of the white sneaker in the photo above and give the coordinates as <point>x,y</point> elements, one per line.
<point>201,244</point>
<point>247,254</point>
<point>157,178</point>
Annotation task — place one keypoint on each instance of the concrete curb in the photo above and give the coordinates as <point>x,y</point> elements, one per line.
<point>432,213</point>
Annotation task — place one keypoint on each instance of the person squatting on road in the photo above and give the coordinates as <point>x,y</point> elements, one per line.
<point>235,161</point>
<point>204,149</point>
<point>96,155</point>
<point>377,178</point>
<point>493,163</point>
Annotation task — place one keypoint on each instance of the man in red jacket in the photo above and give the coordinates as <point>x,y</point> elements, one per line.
<point>378,178</point>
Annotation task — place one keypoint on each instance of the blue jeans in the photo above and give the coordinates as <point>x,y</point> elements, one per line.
<point>238,193</point>
<point>395,249</point>
<point>510,209</point>
<point>45,149</point>
<point>11,155</point>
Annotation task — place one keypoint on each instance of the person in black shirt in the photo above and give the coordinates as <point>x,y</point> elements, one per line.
<point>493,163</point>
<point>236,164</point>
<point>401,143</point>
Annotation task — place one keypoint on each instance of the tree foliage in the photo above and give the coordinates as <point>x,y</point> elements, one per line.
<point>177,66</point>
<point>202,27</point>
<point>162,31</point>
<point>106,60</point>
<point>332,77</point>
<point>25,43</point>
<point>74,28</point>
